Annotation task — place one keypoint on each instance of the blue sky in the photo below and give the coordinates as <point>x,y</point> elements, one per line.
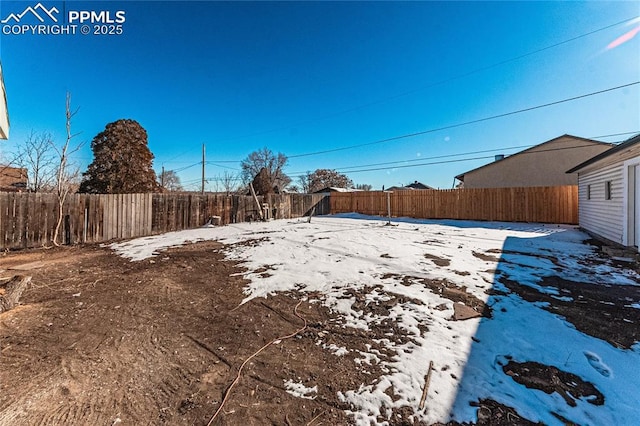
<point>303,77</point>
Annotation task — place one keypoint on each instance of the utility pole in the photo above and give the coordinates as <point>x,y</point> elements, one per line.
<point>162,178</point>
<point>202,169</point>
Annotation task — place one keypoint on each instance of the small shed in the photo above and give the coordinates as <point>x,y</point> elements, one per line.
<point>609,194</point>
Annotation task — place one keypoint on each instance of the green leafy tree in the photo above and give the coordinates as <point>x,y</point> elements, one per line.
<point>122,161</point>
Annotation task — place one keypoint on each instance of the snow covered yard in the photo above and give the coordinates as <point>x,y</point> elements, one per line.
<point>524,348</point>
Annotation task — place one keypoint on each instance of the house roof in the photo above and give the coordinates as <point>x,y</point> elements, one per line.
<point>412,186</point>
<point>418,185</point>
<point>336,189</point>
<point>12,178</point>
<point>616,149</point>
<point>460,177</point>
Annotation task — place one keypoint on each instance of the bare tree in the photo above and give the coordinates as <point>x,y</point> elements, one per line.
<point>273,176</point>
<point>305,182</point>
<point>66,174</point>
<point>323,178</point>
<point>214,184</point>
<point>364,187</point>
<point>229,182</point>
<point>37,155</point>
<point>170,181</point>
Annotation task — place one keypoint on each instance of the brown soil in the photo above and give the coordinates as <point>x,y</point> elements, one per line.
<point>438,261</point>
<point>602,311</point>
<point>446,289</point>
<point>551,379</point>
<point>101,340</point>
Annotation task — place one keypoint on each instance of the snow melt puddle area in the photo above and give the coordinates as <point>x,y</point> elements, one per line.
<point>427,283</point>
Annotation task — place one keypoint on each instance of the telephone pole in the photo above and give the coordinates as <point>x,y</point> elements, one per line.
<point>202,169</point>
<point>162,178</point>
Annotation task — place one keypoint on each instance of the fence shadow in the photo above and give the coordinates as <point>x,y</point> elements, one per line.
<point>463,224</point>
<point>532,353</point>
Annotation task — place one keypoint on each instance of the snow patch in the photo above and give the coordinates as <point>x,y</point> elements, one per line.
<point>299,390</point>
<point>340,258</point>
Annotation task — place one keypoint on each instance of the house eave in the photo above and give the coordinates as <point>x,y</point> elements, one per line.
<point>630,144</point>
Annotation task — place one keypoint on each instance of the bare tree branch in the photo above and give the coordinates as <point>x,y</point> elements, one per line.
<point>66,174</point>
<point>229,182</point>
<point>37,155</point>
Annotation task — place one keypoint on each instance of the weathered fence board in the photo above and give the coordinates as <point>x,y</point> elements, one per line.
<point>555,204</point>
<point>29,220</point>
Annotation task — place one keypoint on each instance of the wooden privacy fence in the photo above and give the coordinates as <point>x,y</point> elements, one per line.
<point>552,204</point>
<point>29,220</point>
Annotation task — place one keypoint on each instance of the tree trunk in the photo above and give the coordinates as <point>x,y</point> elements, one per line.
<point>14,288</point>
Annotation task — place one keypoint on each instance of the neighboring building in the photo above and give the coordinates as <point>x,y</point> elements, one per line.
<point>335,189</point>
<point>542,165</point>
<point>418,185</point>
<point>13,179</point>
<point>609,193</point>
<point>412,186</point>
<point>4,113</point>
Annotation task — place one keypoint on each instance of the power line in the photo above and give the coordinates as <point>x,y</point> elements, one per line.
<point>441,82</point>
<point>614,134</point>
<point>347,169</point>
<point>188,167</point>
<point>493,117</point>
<point>353,169</point>
<point>459,160</point>
<point>215,163</point>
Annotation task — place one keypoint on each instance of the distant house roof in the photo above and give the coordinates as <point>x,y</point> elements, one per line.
<point>624,146</point>
<point>534,148</point>
<point>12,179</point>
<point>4,112</point>
<point>412,186</point>
<point>336,189</point>
<point>418,185</point>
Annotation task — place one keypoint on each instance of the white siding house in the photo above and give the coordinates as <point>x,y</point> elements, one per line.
<point>609,194</point>
<point>4,115</point>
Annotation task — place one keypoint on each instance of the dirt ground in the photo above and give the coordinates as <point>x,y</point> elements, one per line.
<point>101,340</point>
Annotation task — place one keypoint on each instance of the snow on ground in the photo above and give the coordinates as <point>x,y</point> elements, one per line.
<point>334,255</point>
<point>300,390</point>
